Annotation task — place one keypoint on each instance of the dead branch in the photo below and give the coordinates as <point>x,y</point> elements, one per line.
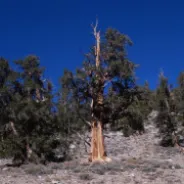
<point>94,28</point>
<point>107,136</point>
<point>83,139</point>
<point>85,121</point>
<point>85,142</point>
<point>91,105</point>
<point>97,47</point>
<point>13,128</point>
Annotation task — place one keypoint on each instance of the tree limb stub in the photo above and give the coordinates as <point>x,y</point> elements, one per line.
<point>97,47</point>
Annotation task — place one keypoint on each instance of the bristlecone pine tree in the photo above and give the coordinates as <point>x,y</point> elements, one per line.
<point>179,93</point>
<point>7,81</point>
<point>106,68</point>
<point>166,120</point>
<point>178,96</point>
<point>29,122</point>
<point>146,105</point>
<point>97,139</point>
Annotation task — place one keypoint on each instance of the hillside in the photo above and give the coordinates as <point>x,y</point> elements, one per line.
<point>136,160</point>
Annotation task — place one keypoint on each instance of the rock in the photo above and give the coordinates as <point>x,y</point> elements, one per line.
<point>170,160</point>
<point>132,175</point>
<point>5,169</point>
<point>72,146</point>
<point>56,182</point>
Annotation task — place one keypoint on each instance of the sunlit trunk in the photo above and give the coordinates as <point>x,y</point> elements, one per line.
<point>97,143</point>
<point>97,139</point>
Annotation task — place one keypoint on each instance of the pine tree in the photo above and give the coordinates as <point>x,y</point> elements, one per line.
<point>146,104</point>
<point>30,114</point>
<point>180,96</point>
<point>7,81</point>
<point>106,68</point>
<point>166,120</point>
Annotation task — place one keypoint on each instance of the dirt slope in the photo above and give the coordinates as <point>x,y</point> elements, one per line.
<point>136,160</point>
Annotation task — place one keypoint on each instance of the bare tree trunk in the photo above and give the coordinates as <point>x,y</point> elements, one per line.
<point>101,145</point>
<point>13,128</point>
<point>97,143</point>
<point>29,151</point>
<point>97,140</point>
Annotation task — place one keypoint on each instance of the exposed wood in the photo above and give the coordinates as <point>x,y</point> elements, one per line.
<point>97,47</point>
<point>101,146</point>
<point>97,144</point>
<point>94,153</point>
<point>29,151</point>
<point>13,128</point>
<point>97,138</point>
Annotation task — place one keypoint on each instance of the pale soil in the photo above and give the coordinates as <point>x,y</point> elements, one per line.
<point>136,160</point>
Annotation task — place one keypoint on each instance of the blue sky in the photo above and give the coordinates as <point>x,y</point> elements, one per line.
<point>59,32</point>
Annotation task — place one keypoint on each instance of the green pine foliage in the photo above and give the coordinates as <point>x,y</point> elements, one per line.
<point>166,120</point>
<point>178,97</point>
<point>30,109</point>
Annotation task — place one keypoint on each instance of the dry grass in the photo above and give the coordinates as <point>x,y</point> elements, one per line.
<point>85,176</point>
<point>38,170</point>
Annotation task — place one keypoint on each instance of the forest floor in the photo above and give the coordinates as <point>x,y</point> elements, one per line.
<point>135,160</point>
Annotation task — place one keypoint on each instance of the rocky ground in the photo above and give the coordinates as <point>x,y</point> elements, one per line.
<point>136,160</point>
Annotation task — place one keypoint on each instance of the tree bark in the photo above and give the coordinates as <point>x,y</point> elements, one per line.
<point>97,141</point>
<point>98,152</point>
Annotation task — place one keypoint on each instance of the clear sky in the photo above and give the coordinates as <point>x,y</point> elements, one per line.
<point>59,32</point>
